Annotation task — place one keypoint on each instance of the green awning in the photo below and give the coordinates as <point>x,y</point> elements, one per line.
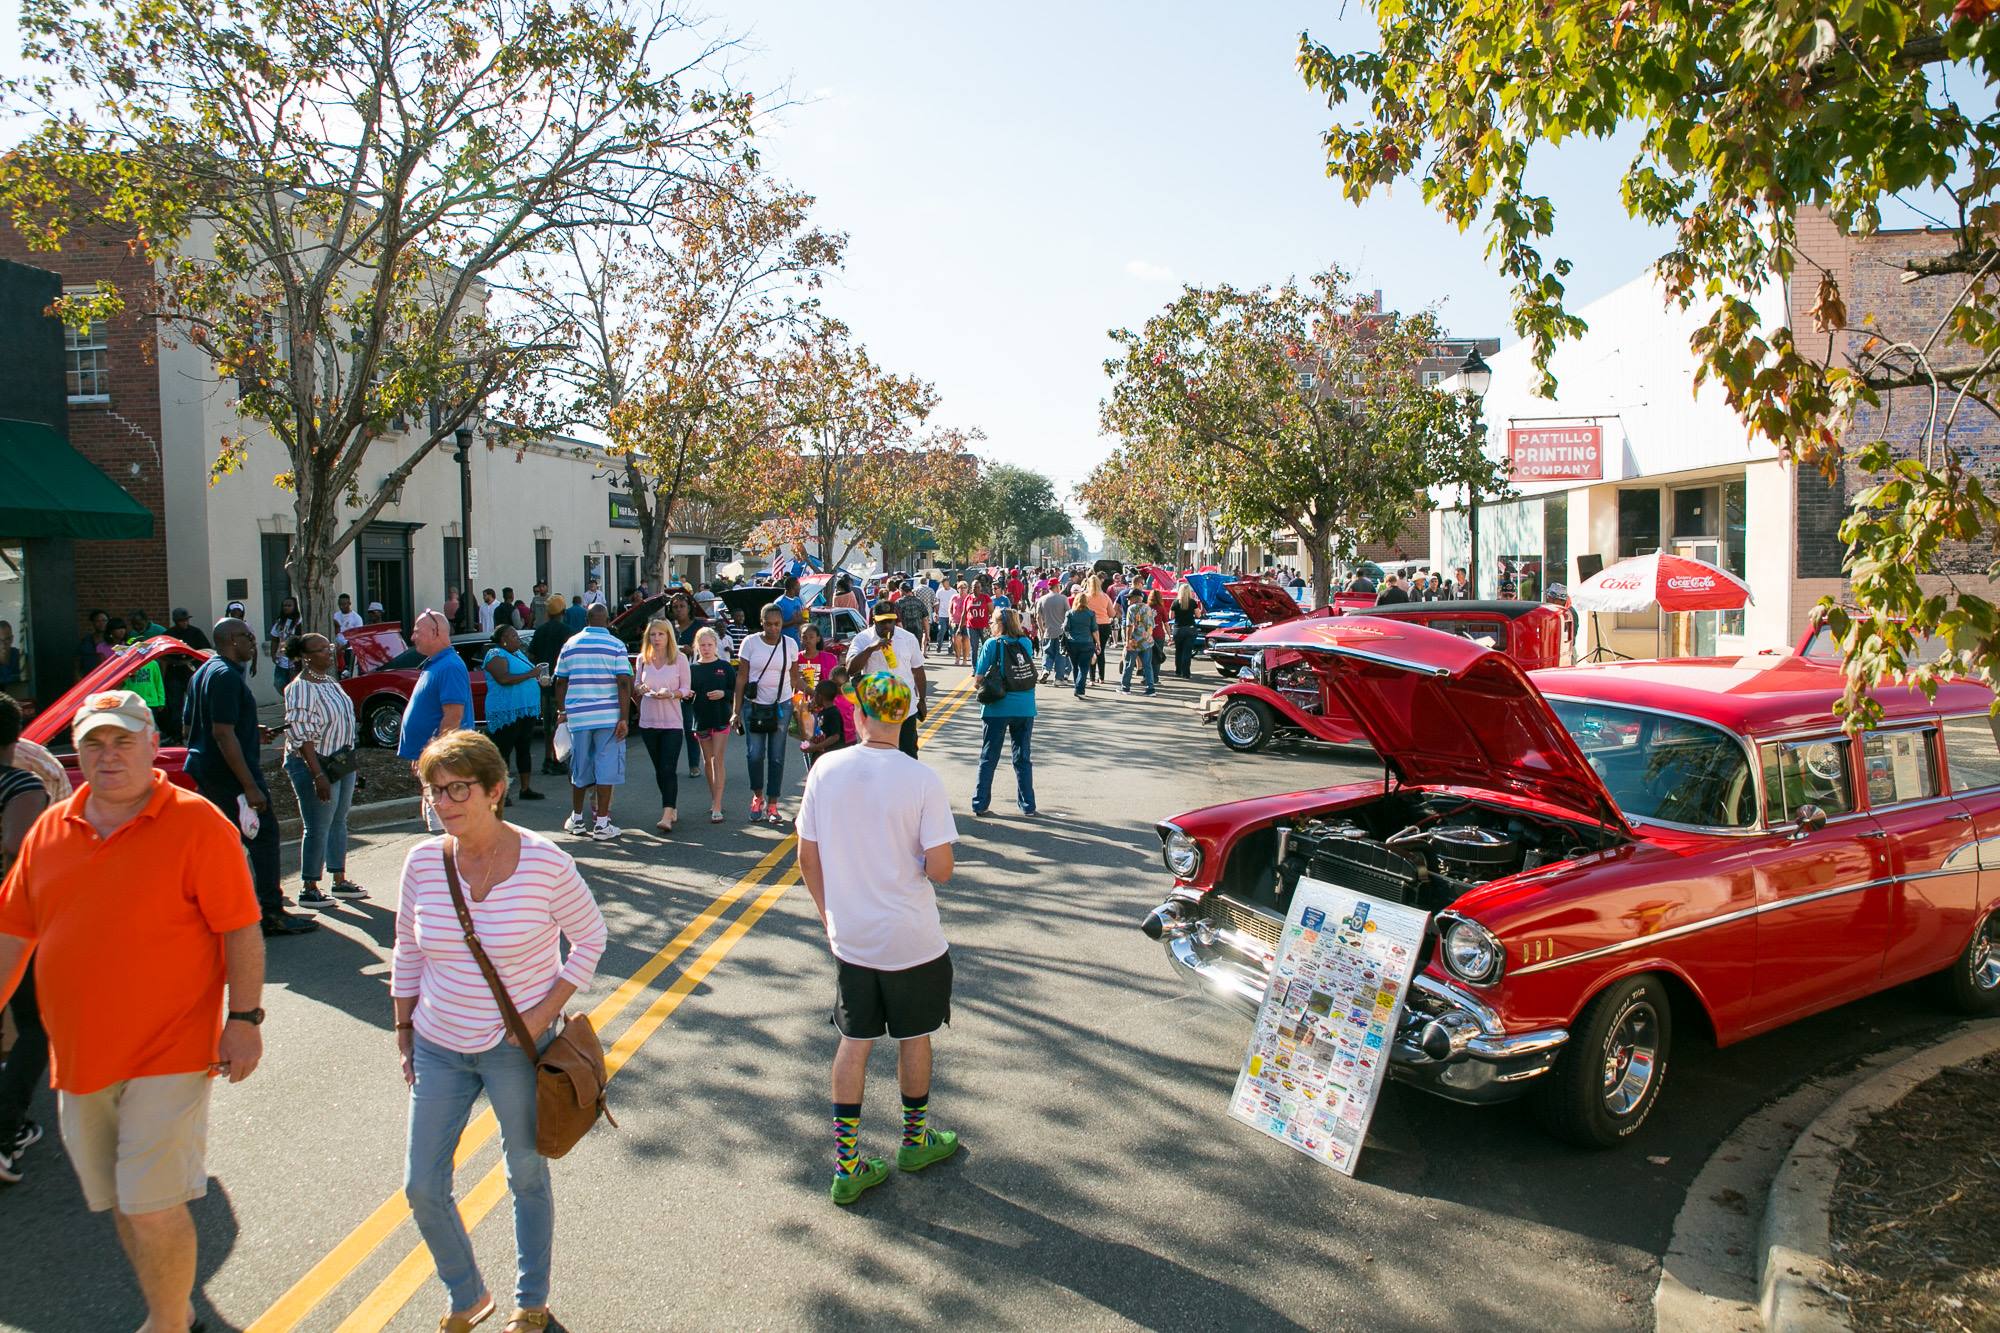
<point>48,489</point>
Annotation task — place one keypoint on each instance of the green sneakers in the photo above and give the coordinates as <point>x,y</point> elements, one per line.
<point>846,1189</point>
<point>938,1145</point>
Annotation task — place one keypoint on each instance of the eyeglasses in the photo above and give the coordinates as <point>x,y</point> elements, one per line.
<point>455,792</point>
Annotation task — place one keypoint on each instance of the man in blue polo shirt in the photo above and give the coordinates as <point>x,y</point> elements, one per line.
<point>792,607</point>
<point>442,700</point>
<point>594,698</point>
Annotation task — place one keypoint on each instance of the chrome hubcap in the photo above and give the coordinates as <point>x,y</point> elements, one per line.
<point>1631,1057</point>
<point>1986,954</point>
<point>1241,723</point>
<point>386,727</point>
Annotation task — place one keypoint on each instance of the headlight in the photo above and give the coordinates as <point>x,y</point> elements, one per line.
<point>1471,953</point>
<point>1181,853</point>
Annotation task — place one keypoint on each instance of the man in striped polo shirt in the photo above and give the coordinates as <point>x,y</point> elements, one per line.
<point>594,697</point>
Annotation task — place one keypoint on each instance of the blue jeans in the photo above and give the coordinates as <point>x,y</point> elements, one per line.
<point>1147,663</point>
<point>1080,655</point>
<point>767,755</point>
<point>1021,730</point>
<point>323,845</point>
<point>1055,661</point>
<point>448,1084</point>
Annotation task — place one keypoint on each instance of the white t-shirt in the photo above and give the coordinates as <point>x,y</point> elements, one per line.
<point>770,667</point>
<point>909,654</point>
<point>593,598</point>
<point>344,621</point>
<point>873,813</point>
<point>486,610</point>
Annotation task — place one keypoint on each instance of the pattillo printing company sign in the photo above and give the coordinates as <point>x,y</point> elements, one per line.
<point>1556,453</point>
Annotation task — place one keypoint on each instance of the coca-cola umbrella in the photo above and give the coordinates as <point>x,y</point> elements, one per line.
<point>1670,582</point>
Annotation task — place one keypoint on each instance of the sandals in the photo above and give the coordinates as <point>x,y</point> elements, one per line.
<point>464,1323</point>
<point>527,1321</point>
<point>716,816</point>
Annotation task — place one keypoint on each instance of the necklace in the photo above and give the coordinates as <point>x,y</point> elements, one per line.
<point>482,880</point>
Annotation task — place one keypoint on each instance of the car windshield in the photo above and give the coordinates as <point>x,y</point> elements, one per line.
<point>1823,647</point>
<point>1664,768</point>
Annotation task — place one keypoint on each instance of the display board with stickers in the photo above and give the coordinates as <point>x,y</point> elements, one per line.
<point>1320,1051</point>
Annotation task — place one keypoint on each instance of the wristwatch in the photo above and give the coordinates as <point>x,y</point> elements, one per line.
<point>254,1017</point>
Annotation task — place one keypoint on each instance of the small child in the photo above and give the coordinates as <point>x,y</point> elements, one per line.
<point>831,730</point>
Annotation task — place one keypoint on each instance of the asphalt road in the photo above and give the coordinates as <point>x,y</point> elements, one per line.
<point>1101,1184</point>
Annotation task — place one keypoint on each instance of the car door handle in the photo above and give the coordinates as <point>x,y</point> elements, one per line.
<point>1963,816</point>
<point>1873,833</point>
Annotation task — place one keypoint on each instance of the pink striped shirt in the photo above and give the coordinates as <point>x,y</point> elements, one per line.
<point>518,923</point>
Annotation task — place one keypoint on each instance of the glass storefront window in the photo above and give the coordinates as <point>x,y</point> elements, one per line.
<point>14,655</point>
<point>1555,539</point>
<point>1735,554</point>
<point>1638,522</point>
<point>1695,512</point>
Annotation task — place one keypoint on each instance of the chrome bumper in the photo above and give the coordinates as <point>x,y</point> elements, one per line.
<point>1448,1042</point>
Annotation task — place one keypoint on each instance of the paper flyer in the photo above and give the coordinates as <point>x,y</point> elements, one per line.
<point>1320,1050</point>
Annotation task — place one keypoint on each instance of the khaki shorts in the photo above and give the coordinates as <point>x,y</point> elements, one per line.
<point>140,1145</point>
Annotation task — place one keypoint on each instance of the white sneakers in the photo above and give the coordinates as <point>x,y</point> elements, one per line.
<point>580,826</point>
<point>604,830</point>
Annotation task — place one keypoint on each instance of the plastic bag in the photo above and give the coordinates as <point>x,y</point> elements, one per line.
<point>560,742</point>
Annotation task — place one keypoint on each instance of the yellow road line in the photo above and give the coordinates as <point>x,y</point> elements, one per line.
<point>361,1242</point>
<point>409,1275</point>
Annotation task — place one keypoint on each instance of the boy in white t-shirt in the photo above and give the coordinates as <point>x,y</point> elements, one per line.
<point>875,834</point>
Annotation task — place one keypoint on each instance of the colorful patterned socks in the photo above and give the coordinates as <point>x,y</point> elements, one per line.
<point>846,1138</point>
<point>916,1119</point>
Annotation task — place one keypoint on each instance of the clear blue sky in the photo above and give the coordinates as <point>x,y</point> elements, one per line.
<point>1017,180</point>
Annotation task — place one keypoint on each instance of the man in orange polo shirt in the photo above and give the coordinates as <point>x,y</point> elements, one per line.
<point>137,901</point>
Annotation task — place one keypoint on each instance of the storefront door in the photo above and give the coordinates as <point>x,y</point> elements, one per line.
<point>1695,631</point>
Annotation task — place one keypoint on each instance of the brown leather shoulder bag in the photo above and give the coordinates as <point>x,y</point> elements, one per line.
<point>569,1073</point>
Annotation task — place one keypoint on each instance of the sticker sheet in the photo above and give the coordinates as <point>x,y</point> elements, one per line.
<point>1320,1051</point>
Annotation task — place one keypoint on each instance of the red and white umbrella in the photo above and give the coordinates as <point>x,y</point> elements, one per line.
<point>1670,582</point>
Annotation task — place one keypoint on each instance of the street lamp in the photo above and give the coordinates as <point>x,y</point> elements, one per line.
<point>1478,378</point>
<point>462,437</point>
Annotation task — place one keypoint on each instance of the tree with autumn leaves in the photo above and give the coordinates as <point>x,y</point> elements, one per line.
<point>1747,113</point>
<point>330,191</point>
<point>1135,496</point>
<point>1293,407</point>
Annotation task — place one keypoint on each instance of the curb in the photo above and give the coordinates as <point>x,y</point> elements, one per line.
<point>360,816</point>
<point>1794,1294</point>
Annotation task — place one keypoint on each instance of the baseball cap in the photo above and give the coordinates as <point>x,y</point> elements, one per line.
<point>180,613</point>
<point>374,606</point>
<point>234,608</point>
<point>111,708</point>
<point>886,611</point>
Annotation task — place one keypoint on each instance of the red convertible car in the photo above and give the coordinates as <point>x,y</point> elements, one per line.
<point>1278,695</point>
<point>1611,856</point>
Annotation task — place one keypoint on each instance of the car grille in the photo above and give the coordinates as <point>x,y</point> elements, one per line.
<point>1226,914</point>
<point>1365,867</point>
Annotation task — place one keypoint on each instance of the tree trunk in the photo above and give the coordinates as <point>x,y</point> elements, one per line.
<point>314,566</point>
<point>1319,545</point>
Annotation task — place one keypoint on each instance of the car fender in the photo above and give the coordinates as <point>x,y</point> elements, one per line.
<point>1288,715</point>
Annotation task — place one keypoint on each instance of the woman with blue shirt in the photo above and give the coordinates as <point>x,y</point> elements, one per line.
<point>513,705</point>
<point>1011,718</point>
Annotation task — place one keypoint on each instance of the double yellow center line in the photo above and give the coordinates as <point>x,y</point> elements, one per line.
<point>379,1306</point>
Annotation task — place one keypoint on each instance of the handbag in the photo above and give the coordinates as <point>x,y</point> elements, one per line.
<point>569,1073</point>
<point>764,719</point>
<point>337,764</point>
<point>993,680</point>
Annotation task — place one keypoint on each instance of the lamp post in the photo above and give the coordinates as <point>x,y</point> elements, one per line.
<point>462,437</point>
<point>1478,378</point>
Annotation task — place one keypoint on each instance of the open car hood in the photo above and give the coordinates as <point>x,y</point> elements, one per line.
<point>1265,603</point>
<point>1441,710</point>
<point>51,724</point>
<point>374,646</point>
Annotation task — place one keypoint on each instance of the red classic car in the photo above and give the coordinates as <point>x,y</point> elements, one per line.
<point>1612,854</point>
<point>386,669</point>
<point>1266,603</point>
<point>1278,695</point>
<point>169,664</point>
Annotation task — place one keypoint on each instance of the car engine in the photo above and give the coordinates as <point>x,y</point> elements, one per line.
<point>1439,848</point>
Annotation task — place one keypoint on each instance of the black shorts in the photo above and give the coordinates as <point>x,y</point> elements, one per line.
<point>913,1002</point>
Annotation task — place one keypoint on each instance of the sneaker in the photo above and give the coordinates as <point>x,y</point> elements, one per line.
<point>577,825</point>
<point>756,806</point>
<point>938,1144</point>
<point>312,899</point>
<point>847,1188</point>
<point>284,923</point>
<point>604,830</point>
<point>29,1134</point>
<point>348,889</point>
<point>11,1172</point>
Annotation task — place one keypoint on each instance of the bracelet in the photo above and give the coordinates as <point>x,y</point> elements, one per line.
<point>406,1027</point>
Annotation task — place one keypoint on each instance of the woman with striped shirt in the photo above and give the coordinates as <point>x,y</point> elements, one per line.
<point>319,721</point>
<point>525,897</point>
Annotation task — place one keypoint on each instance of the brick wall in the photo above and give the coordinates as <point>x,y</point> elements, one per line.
<point>1413,544</point>
<point>122,437</point>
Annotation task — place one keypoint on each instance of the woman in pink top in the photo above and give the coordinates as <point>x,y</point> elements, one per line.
<point>660,681</point>
<point>525,897</point>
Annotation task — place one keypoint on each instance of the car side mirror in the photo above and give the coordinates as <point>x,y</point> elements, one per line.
<point>1812,819</point>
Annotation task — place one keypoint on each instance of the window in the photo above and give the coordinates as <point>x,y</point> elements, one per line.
<point>1899,766</point>
<point>1972,750</point>
<point>1802,773</point>
<point>1486,631</point>
<point>543,547</point>
<point>1697,512</point>
<point>1735,554</point>
<point>454,565</point>
<point>1307,381</point>
<point>276,549</point>
<point>1430,379</point>
<point>1555,538</point>
<point>1664,768</point>
<point>1638,522</point>
<point>87,363</point>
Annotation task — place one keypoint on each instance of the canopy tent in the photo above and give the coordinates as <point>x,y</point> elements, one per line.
<point>48,489</point>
